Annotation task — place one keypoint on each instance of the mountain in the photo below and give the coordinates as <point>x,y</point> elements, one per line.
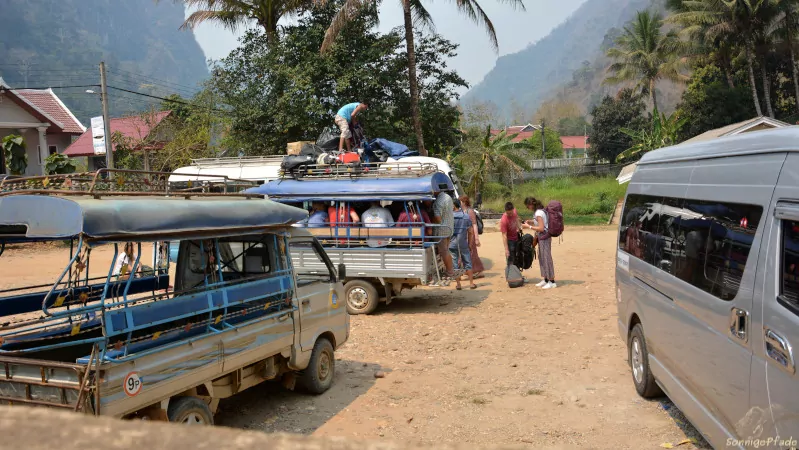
<point>528,78</point>
<point>55,43</point>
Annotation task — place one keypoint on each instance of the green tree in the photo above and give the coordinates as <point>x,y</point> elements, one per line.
<point>625,111</point>
<point>413,13</point>
<point>487,158</point>
<point>662,131</point>
<point>553,144</point>
<point>709,102</point>
<point>290,91</point>
<point>742,23</point>
<point>232,14</point>
<point>644,54</point>
<point>574,126</point>
<point>15,154</point>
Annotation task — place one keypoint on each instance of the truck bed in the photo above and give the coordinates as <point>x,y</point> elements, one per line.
<point>366,262</point>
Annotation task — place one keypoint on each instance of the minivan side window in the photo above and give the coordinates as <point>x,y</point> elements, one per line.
<point>703,243</point>
<point>789,286</point>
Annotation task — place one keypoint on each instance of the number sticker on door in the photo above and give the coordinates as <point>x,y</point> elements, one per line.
<point>132,384</point>
<point>333,299</point>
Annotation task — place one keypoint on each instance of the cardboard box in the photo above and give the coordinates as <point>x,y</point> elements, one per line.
<point>293,148</point>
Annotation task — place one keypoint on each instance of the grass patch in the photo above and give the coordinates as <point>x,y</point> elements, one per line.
<point>586,200</point>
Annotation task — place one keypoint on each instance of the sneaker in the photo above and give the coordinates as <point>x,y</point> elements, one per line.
<point>550,285</point>
<point>541,283</point>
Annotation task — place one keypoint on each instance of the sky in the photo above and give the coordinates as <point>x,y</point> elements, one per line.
<point>516,29</point>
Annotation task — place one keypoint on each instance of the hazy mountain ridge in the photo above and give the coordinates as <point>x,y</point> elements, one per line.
<point>56,43</point>
<point>539,72</point>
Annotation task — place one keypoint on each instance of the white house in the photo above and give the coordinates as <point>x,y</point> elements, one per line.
<point>41,118</point>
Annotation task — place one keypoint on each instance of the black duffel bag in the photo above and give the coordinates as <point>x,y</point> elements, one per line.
<point>329,140</point>
<point>295,165</point>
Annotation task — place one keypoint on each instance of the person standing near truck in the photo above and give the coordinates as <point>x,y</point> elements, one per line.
<point>344,119</point>
<point>443,215</point>
<point>459,245</point>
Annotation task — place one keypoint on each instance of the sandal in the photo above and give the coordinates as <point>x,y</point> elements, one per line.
<point>474,286</point>
<point>459,288</point>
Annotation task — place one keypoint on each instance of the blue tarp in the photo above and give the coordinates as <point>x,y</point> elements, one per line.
<point>356,189</point>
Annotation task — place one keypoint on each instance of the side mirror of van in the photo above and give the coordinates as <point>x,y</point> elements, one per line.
<point>342,272</point>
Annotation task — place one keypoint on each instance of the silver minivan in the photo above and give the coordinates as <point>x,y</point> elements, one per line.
<point>707,278</point>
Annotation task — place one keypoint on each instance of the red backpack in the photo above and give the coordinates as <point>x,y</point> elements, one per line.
<point>554,211</point>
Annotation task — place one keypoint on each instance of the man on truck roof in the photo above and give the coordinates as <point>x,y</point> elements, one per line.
<point>344,118</point>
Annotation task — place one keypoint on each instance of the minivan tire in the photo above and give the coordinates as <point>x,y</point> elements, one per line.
<point>189,411</point>
<point>361,297</point>
<point>638,356</point>
<point>318,376</point>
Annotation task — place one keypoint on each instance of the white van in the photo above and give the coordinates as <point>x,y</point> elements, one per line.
<point>707,279</point>
<point>442,165</point>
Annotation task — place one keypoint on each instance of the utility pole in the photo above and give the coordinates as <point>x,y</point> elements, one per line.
<point>544,147</point>
<point>109,154</point>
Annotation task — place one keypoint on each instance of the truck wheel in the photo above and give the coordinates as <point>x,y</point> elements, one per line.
<point>189,411</point>
<point>318,376</point>
<point>362,297</point>
<point>639,362</point>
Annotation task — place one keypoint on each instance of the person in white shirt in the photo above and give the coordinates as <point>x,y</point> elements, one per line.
<point>124,263</point>
<point>540,224</point>
<point>377,217</point>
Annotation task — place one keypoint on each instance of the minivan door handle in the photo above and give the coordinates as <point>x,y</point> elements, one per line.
<point>306,302</point>
<point>738,323</point>
<point>778,349</point>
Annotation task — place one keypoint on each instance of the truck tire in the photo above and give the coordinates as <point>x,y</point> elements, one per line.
<point>639,363</point>
<point>362,297</point>
<point>318,376</point>
<point>189,411</point>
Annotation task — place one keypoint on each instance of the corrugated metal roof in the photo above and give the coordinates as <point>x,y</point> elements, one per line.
<point>135,127</point>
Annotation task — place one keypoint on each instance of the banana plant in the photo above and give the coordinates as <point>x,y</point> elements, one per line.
<point>663,131</point>
<point>15,156</point>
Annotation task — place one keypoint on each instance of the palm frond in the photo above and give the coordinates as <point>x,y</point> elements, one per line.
<point>349,10</point>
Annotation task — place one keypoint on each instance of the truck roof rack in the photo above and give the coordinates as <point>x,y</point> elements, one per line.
<point>236,161</point>
<point>364,170</point>
<point>120,182</point>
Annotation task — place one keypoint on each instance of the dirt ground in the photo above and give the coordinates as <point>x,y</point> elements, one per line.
<point>542,369</point>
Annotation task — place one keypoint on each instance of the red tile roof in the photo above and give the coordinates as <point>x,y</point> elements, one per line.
<point>514,130</point>
<point>51,107</point>
<point>134,127</point>
<point>574,142</point>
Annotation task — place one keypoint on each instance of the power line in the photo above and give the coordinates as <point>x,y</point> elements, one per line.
<point>147,77</point>
<point>60,87</point>
<point>141,82</point>
<point>181,102</point>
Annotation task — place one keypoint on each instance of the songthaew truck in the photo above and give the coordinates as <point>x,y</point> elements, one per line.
<point>124,339</point>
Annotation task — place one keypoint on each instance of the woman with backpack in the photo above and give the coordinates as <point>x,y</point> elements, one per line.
<point>474,238</point>
<point>540,224</point>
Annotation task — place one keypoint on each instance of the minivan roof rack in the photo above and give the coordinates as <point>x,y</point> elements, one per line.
<point>120,182</point>
<point>236,161</point>
<point>363,170</point>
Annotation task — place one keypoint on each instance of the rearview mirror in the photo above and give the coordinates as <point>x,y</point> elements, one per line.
<point>342,272</point>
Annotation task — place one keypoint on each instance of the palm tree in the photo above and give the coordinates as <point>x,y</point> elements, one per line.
<point>644,54</point>
<point>786,31</point>
<point>492,158</point>
<point>231,14</point>
<point>740,22</point>
<point>414,13</point>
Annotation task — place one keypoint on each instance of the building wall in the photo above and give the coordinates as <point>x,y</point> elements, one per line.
<point>11,112</point>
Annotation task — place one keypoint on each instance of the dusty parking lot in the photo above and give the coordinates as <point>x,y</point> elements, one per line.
<point>525,367</point>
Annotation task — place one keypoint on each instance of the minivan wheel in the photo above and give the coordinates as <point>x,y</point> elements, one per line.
<point>318,376</point>
<point>362,297</point>
<point>639,363</point>
<point>189,411</point>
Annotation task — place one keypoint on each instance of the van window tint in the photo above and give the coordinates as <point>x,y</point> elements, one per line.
<point>789,292</point>
<point>703,243</point>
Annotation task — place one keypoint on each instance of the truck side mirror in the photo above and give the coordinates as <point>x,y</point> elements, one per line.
<point>342,272</point>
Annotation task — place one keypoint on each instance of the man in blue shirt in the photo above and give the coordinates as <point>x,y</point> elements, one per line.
<point>459,244</point>
<point>346,116</point>
<point>318,217</point>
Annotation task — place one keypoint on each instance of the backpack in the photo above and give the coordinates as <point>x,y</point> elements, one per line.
<point>294,165</point>
<point>514,277</point>
<point>479,222</point>
<point>554,212</point>
<point>525,253</point>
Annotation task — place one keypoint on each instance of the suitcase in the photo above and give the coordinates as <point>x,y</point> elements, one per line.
<point>514,277</point>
